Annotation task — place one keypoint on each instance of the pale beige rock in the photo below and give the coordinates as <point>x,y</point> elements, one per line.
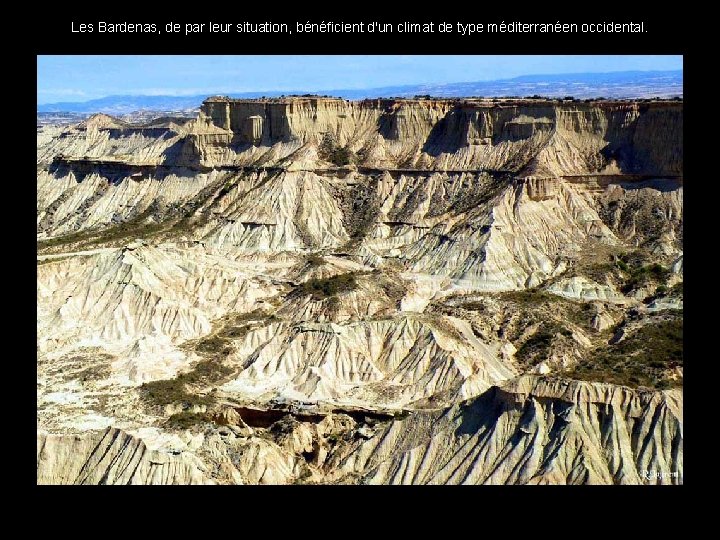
<point>581,288</point>
<point>230,228</point>
<point>383,363</point>
<point>532,431</point>
<point>111,457</point>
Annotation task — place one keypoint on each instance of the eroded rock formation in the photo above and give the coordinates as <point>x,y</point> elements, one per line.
<point>386,291</point>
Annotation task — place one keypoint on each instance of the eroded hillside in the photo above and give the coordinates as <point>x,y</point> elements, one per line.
<point>388,291</point>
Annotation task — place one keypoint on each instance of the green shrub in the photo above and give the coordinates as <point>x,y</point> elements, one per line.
<point>529,297</point>
<point>337,155</point>
<point>622,265</point>
<point>537,347</point>
<point>328,287</point>
<point>642,275</point>
<point>227,187</point>
<point>676,290</point>
<point>315,260</point>
<point>644,358</point>
<point>186,420</point>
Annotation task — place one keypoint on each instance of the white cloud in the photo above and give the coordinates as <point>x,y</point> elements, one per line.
<point>61,92</point>
<point>181,91</point>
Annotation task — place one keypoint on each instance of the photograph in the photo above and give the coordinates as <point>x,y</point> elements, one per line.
<point>359,269</point>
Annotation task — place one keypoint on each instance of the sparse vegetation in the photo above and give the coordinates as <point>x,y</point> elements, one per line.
<point>473,306</point>
<point>599,272</point>
<point>95,373</point>
<point>528,297</point>
<point>187,419</point>
<point>676,291</point>
<point>359,207</point>
<point>169,391</point>
<point>174,219</point>
<point>661,291</point>
<point>227,187</point>
<point>315,260</point>
<point>53,260</point>
<point>629,270</point>
<point>62,240</point>
<point>538,346</point>
<point>364,220</point>
<point>138,227</point>
<point>639,276</point>
<point>621,261</point>
<point>210,370</point>
<point>394,287</point>
<point>232,326</point>
<point>214,345</point>
<point>339,156</point>
<point>183,388</point>
<point>321,289</point>
<point>644,358</point>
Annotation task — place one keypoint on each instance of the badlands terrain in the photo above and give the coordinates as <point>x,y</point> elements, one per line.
<point>320,291</point>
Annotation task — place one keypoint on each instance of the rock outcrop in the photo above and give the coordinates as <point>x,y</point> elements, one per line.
<point>544,138</point>
<point>111,457</point>
<point>312,290</point>
<point>532,431</point>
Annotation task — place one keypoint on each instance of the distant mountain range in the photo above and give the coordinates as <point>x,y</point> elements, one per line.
<point>624,84</point>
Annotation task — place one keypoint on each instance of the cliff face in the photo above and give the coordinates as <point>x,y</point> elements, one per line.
<point>316,290</point>
<point>552,139</point>
<point>525,137</point>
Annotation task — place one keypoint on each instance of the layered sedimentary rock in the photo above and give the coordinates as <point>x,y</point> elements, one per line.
<point>383,363</point>
<point>111,457</point>
<point>316,290</point>
<point>533,137</point>
<point>540,137</point>
<point>533,431</point>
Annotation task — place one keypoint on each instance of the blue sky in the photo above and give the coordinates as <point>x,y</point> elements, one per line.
<point>80,78</point>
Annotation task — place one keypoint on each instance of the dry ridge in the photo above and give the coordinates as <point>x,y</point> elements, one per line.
<point>312,290</point>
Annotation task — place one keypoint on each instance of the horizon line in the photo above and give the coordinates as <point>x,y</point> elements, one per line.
<point>193,94</point>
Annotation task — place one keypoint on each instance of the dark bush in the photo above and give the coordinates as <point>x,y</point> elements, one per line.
<point>339,156</point>
<point>538,346</point>
<point>186,420</point>
<point>639,276</point>
<point>327,287</point>
<point>644,358</point>
<point>315,260</point>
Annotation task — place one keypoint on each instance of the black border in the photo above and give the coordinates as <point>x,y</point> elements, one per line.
<point>463,506</point>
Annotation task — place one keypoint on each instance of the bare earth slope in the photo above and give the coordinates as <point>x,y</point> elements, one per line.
<point>388,291</point>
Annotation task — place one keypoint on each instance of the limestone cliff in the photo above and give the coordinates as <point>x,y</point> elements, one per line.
<point>542,138</point>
